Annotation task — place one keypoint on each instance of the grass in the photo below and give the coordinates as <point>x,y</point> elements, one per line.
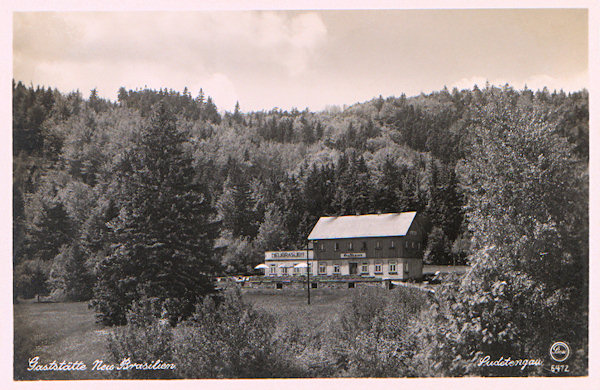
<point>57,331</point>
<point>290,306</point>
<point>68,331</point>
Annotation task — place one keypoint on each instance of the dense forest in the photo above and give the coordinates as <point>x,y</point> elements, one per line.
<point>107,195</point>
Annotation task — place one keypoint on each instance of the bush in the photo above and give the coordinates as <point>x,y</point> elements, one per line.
<point>308,347</point>
<point>145,338</point>
<point>224,338</point>
<point>229,340</point>
<point>375,336</point>
<point>388,347</point>
<point>31,279</point>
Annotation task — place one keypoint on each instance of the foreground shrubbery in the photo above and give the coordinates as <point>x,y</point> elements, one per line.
<point>228,338</point>
<point>385,345</point>
<point>146,338</point>
<point>224,338</point>
<point>407,332</point>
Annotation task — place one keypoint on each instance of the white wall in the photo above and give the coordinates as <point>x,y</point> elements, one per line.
<point>414,267</point>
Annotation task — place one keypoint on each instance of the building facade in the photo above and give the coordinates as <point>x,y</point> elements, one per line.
<point>283,263</point>
<point>385,246</point>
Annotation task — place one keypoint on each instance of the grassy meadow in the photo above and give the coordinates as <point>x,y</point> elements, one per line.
<point>68,330</point>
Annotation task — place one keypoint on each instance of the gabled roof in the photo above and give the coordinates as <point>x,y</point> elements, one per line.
<point>370,225</point>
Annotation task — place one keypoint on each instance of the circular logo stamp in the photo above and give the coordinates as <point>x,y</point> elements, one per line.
<point>560,351</point>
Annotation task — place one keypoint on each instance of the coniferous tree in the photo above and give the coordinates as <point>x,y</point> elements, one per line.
<point>237,114</point>
<point>71,274</point>
<point>235,206</point>
<point>163,235</point>
<point>384,198</point>
<point>52,230</point>
<point>271,234</point>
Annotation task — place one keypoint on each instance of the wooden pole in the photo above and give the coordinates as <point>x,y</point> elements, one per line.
<point>307,273</point>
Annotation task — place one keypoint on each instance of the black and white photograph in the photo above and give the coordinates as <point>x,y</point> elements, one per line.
<point>295,192</point>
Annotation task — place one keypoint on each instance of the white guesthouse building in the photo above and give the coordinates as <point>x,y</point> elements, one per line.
<point>383,246</point>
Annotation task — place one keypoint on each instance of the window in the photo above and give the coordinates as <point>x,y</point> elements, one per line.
<point>322,268</point>
<point>322,246</point>
<point>350,246</point>
<point>273,269</point>
<point>336,268</point>
<point>412,245</point>
<point>377,268</point>
<point>413,232</point>
<point>392,245</point>
<point>378,245</point>
<point>418,245</point>
<point>284,271</point>
<point>364,268</point>
<point>279,286</point>
<point>336,246</point>
<point>296,270</point>
<point>405,268</point>
<point>364,245</point>
<point>392,267</point>
<point>406,244</point>
<point>351,285</point>
<point>313,285</point>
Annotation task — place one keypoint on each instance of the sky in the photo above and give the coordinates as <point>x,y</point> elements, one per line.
<point>302,59</point>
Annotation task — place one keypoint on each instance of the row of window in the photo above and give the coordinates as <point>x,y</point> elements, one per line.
<point>364,268</point>
<point>336,245</point>
<point>284,270</point>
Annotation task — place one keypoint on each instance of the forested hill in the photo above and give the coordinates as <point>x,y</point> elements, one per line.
<point>262,178</point>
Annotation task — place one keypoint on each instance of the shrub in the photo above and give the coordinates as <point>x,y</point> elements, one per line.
<point>145,338</point>
<point>31,279</point>
<point>378,336</point>
<point>307,347</point>
<point>229,340</point>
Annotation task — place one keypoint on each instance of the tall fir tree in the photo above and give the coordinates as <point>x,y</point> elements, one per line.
<point>163,235</point>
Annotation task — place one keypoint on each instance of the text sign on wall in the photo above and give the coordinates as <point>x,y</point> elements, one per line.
<point>353,255</point>
<point>288,255</point>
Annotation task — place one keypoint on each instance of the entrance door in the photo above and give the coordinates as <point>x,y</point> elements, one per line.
<point>353,268</point>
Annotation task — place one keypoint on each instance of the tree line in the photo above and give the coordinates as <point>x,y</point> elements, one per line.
<point>155,193</point>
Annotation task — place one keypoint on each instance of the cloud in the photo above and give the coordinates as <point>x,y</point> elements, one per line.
<point>209,50</point>
<point>63,49</point>
<point>290,39</point>
<point>300,58</point>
